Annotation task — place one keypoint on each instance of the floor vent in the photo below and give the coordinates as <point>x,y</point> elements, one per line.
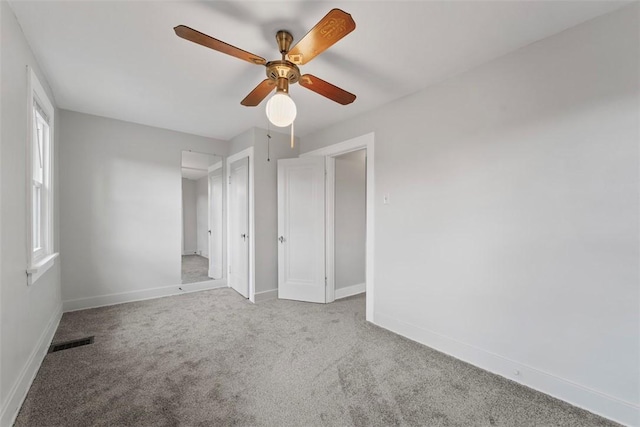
<point>70,344</point>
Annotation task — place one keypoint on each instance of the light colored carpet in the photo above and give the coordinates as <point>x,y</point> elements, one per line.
<point>214,359</point>
<point>195,268</point>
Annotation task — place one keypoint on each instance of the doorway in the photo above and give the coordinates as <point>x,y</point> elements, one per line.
<point>303,232</point>
<point>349,223</point>
<point>202,238</point>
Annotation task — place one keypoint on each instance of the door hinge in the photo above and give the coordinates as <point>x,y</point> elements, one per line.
<point>325,282</point>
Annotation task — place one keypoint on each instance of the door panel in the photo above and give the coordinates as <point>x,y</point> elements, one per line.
<point>239,227</point>
<point>301,228</point>
<point>215,224</point>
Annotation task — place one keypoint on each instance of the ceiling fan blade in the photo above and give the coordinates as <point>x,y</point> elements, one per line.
<point>215,44</point>
<point>326,89</point>
<point>259,93</point>
<point>333,27</point>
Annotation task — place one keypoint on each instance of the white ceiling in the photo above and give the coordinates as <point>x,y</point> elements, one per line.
<point>121,59</point>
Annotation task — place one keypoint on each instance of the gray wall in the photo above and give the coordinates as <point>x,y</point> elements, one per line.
<point>266,198</point>
<point>120,197</point>
<point>189,217</point>
<point>25,311</point>
<point>350,219</point>
<point>511,239</point>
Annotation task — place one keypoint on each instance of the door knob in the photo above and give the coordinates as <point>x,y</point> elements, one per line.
<point>281,238</point>
<point>244,236</point>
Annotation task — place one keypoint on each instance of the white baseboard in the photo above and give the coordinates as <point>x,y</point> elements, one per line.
<point>594,401</point>
<point>21,387</point>
<point>120,298</point>
<point>266,295</point>
<point>350,291</point>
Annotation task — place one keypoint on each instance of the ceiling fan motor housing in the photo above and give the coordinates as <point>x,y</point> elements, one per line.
<point>283,69</point>
<point>283,72</point>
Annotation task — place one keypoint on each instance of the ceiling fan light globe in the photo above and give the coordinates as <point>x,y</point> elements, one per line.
<point>281,110</point>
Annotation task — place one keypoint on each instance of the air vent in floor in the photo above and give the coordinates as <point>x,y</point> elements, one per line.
<point>70,344</point>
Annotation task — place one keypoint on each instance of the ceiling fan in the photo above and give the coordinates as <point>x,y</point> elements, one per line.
<point>281,110</point>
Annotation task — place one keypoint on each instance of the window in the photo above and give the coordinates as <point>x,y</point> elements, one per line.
<point>39,180</point>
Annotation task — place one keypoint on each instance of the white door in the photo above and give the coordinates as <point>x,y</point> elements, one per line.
<point>239,226</point>
<point>301,255</point>
<point>215,224</point>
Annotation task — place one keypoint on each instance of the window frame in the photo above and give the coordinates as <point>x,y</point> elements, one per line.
<point>41,258</point>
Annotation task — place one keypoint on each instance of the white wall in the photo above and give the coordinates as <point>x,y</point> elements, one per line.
<point>28,314</point>
<point>266,199</point>
<point>120,204</point>
<point>350,219</point>
<point>189,217</point>
<point>511,237</point>
<point>202,216</point>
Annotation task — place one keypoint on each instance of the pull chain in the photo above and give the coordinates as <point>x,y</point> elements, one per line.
<point>268,141</point>
<point>292,137</point>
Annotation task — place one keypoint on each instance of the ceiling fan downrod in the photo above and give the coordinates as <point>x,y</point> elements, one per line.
<point>284,39</point>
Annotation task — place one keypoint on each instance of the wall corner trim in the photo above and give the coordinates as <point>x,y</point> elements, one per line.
<point>349,291</point>
<point>266,295</point>
<point>21,387</point>
<point>583,397</point>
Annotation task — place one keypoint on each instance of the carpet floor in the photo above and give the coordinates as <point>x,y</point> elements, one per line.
<point>195,268</point>
<point>214,359</point>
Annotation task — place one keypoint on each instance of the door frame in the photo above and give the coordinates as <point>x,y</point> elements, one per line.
<point>213,168</point>
<point>248,153</point>
<point>330,153</point>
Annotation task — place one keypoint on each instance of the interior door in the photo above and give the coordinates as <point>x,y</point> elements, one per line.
<point>215,224</point>
<point>239,226</point>
<point>301,229</point>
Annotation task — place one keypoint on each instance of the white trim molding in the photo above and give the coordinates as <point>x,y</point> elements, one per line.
<point>141,295</point>
<point>36,271</point>
<point>583,397</point>
<point>21,387</point>
<point>349,291</point>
